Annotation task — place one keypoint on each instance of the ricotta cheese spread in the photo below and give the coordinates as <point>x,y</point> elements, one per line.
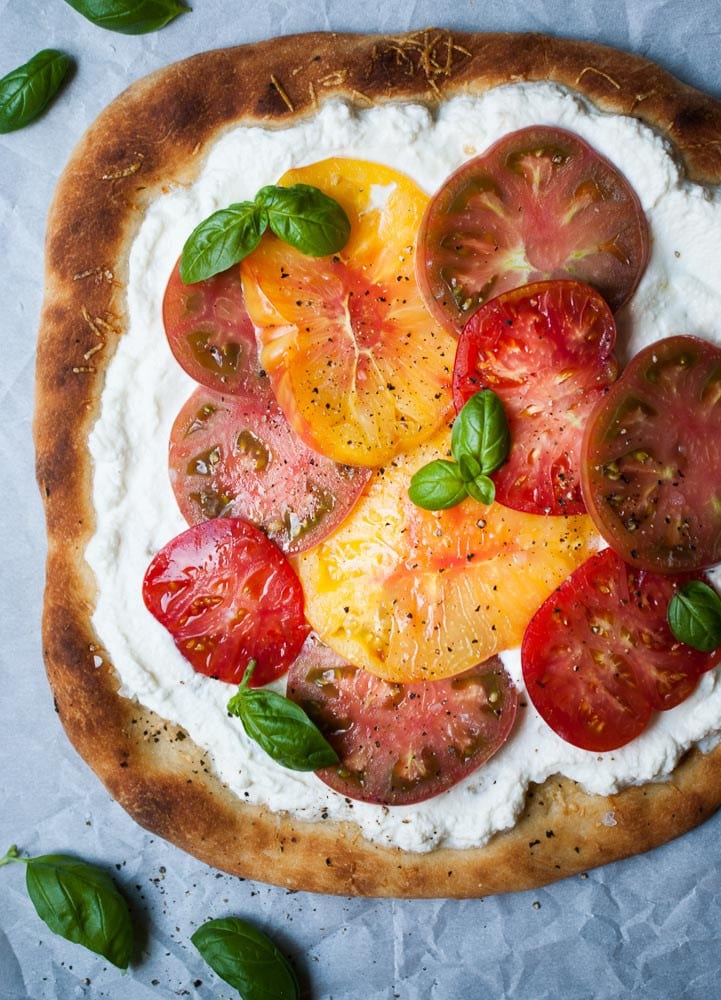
<point>137,513</point>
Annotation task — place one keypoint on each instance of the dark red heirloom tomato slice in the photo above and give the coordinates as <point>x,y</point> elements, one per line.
<point>652,458</point>
<point>402,743</point>
<point>598,656</point>
<point>539,204</point>
<point>209,330</point>
<point>227,595</point>
<point>547,351</point>
<point>238,456</point>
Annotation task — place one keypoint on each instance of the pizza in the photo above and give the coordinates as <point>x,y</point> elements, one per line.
<point>296,102</point>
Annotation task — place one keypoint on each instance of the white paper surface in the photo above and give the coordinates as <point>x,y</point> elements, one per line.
<point>651,924</point>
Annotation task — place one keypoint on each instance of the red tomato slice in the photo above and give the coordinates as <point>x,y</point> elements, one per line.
<point>237,456</point>
<point>547,351</point>
<point>652,455</point>
<point>209,330</point>
<point>227,595</point>
<point>402,743</point>
<point>539,204</point>
<point>598,656</point>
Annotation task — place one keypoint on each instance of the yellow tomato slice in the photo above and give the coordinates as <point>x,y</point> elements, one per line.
<point>414,595</point>
<point>358,364</point>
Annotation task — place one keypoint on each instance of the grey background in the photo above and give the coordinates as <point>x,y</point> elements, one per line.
<point>650,924</point>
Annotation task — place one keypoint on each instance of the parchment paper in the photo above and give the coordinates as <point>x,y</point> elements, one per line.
<point>652,924</point>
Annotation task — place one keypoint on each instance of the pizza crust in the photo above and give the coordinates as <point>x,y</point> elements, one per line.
<point>155,135</point>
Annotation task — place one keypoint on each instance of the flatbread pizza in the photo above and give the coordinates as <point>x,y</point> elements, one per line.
<point>375,114</point>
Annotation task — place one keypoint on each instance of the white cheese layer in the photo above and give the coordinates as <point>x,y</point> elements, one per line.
<point>137,513</point>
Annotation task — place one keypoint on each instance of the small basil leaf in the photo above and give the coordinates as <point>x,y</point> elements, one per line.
<point>82,904</point>
<point>437,486</point>
<point>282,729</point>
<point>305,218</point>
<point>481,431</point>
<point>694,614</point>
<point>246,959</point>
<point>221,240</point>
<point>130,17</point>
<point>26,91</point>
<point>482,489</point>
<point>469,467</point>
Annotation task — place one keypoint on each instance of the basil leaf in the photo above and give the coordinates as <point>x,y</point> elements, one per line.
<point>81,903</point>
<point>305,218</point>
<point>246,959</point>
<point>130,17</point>
<point>481,431</point>
<point>26,91</point>
<point>221,240</point>
<point>437,486</point>
<point>281,728</point>
<point>468,467</point>
<point>694,614</point>
<point>482,489</point>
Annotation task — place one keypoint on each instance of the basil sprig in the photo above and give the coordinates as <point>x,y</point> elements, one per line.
<point>129,17</point>
<point>480,442</point>
<point>80,903</point>
<point>301,216</point>
<point>25,92</point>
<point>280,727</point>
<point>246,959</point>
<point>694,615</point>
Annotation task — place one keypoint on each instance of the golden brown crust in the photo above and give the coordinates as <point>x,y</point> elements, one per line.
<point>155,134</point>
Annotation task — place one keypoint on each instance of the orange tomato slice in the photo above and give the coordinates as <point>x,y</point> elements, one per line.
<point>358,365</point>
<point>414,595</point>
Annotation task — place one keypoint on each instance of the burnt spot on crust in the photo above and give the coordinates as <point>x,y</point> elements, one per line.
<point>430,55</point>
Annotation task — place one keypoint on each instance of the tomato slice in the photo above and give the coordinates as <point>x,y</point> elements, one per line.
<point>415,595</point>
<point>598,656</point>
<point>358,365</point>
<point>227,595</point>
<point>209,330</point>
<point>652,454</point>
<point>539,204</point>
<point>402,743</point>
<point>237,456</point>
<point>547,351</point>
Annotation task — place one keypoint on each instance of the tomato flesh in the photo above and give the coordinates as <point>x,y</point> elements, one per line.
<point>227,595</point>
<point>547,350</point>
<point>652,458</point>
<point>402,743</point>
<point>358,365</point>
<point>210,332</point>
<point>599,656</point>
<point>237,456</point>
<point>538,204</point>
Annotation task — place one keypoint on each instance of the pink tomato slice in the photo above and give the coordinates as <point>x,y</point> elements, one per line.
<point>539,204</point>
<point>402,743</point>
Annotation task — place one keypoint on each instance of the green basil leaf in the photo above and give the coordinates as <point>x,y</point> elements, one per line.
<point>221,240</point>
<point>481,431</point>
<point>246,959</point>
<point>26,91</point>
<point>281,728</point>
<point>482,489</point>
<point>694,614</point>
<point>81,903</point>
<point>130,17</point>
<point>469,467</point>
<point>437,486</point>
<point>305,218</point>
